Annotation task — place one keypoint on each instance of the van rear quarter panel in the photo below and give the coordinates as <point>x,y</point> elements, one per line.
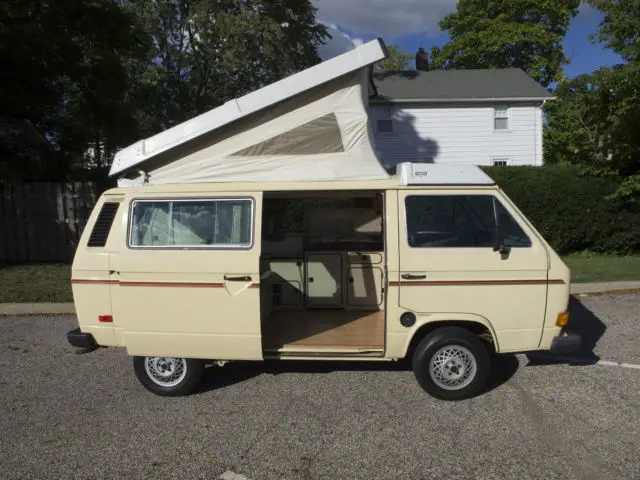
<point>91,280</point>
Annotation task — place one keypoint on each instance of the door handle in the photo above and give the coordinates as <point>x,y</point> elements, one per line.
<point>237,279</point>
<point>411,276</point>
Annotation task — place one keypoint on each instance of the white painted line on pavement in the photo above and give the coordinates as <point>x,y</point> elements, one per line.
<point>606,363</point>
<point>618,364</point>
<point>229,475</point>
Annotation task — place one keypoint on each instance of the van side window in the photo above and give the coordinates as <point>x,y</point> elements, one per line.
<point>443,221</point>
<point>224,223</point>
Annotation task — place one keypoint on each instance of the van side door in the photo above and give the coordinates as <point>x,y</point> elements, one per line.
<point>188,276</point>
<point>451,264</point>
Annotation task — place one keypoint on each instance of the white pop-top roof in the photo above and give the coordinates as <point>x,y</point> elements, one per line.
<point>441,174</point>
<point>239,108</point>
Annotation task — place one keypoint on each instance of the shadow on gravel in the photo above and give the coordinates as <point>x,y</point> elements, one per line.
<point>503,368</point>
<point>583,322</point>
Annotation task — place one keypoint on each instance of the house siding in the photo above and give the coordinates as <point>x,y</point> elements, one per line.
<point>458,133</point>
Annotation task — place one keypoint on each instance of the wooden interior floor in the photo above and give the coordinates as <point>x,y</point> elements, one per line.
<point>323,330</point>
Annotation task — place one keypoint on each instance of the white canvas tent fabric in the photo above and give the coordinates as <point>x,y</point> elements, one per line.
<point>321,134</point>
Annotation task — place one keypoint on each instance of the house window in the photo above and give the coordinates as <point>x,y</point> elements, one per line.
<point>501,118</point>
<point>384,122</point>
<point>500,162</point>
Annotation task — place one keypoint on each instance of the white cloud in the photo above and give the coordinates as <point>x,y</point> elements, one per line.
<point>339,42</point>
<point>386,18</point>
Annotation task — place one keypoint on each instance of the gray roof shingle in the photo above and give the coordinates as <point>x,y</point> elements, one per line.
<point>461,85</point>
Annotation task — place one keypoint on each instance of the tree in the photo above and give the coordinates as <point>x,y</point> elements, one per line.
<point>397,60</point>
<point>209,51</point>
<point>524,34</point>
<point>596,117</point>
<point>620,31</point>
<point>62,75</point>
<point>620,28</point>
<point>577,129</point>
<point>82,76</point>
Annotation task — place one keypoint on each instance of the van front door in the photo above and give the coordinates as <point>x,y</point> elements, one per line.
<point>189,277</point>
<point>452,269</point>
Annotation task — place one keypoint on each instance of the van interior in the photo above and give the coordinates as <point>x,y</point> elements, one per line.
<point>322,273</point>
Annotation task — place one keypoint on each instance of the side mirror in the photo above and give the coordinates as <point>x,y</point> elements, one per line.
<point>498,239</point>
<point>498,234</point>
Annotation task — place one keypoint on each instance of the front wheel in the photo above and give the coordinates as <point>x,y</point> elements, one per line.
<point>168,376</point>
<point>452,363</point>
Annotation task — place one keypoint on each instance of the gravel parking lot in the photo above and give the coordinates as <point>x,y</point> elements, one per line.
<point>69,415</point>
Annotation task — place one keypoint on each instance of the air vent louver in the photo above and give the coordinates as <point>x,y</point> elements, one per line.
<point>103,224</point>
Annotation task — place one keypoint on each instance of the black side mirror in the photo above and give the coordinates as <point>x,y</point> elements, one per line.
<point>498,234</point>
<point>498,243</point>
<point>498,239</point>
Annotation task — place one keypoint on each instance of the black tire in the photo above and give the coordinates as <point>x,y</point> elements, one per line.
<point>453,337</point>
<point>180,386</point>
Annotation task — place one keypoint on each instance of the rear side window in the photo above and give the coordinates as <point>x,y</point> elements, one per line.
<point>223,223</point>
<point>454,221</point>
<point>101,228</point>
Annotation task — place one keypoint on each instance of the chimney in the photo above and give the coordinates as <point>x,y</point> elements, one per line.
<point>422,60</point>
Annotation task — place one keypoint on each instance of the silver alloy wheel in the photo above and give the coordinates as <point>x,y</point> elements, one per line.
<point>453,367</point>
<point>165,371</point>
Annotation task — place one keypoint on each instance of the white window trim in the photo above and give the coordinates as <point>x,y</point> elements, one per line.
<point>507,116</point>
<point>239,246</point>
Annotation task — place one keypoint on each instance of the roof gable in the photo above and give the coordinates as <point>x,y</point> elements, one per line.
<point>458,85</point>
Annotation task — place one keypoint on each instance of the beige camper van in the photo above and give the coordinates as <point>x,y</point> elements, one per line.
<point>445,271</point>
<point>269,228</point>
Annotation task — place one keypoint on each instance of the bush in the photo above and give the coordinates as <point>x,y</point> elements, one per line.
<point>570,208</point>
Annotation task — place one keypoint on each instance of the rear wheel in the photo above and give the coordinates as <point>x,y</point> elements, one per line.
<point>452,363</point>
<point>168,376</point>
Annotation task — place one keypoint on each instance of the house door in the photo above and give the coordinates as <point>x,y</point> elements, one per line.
<point>188,278</point>
<point>448,265</point>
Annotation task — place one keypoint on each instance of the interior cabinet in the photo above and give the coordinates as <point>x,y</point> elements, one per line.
<point>324,280</point>
<point>364,286</point>
<point>286,283</point>
<point>348,280</point>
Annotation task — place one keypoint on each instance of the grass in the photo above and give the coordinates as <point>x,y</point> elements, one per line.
<point>51,282</point>
<point>35,283</point>
<point>586,267</point>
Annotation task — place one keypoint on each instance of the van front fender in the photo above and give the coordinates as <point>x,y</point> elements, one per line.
<point>428,322</point>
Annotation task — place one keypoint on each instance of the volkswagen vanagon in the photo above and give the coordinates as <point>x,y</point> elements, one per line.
<point>435,264</point>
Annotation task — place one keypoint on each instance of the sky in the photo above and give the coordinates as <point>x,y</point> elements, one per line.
<point>411,24</point>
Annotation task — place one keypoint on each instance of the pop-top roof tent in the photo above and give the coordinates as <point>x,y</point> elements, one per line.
<point>310,126</point>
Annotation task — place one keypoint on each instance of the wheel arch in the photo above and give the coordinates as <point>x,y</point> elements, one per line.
<point>476,324</point>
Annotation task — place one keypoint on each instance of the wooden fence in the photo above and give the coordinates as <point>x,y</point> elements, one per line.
<point>43,221</point>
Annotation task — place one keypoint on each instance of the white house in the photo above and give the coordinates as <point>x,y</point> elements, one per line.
<point>484,117</point>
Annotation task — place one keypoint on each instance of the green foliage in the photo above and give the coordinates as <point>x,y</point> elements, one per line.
<point>595,120</point>
<point>397,60</point>
<point>620,28</point>
<point>209,51</point>
<point>524,34</point>
<point>99,74</point>
<point>571,209</point>
<point>63,75</point>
